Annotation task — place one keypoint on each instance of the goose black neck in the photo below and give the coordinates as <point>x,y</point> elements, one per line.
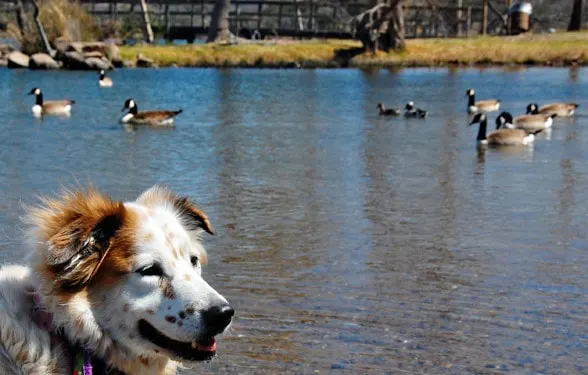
<point>102,75</point>
<point>482,130</point>
<point>39,99</point>
<point>471,100</point>
<point>134,110</point>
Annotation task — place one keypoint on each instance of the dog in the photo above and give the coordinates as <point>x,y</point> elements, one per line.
<point>115,286</point>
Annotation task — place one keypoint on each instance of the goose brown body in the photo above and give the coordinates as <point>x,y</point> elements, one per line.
<point>481,106</point>
<point>150,118</point>
<point>50,107</point>
<point>559,109</point>
<point>501,137</point>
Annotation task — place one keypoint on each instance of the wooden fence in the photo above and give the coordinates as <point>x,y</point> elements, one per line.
<point>189,19</point>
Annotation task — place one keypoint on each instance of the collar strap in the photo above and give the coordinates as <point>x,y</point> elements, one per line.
<point>83,361</point>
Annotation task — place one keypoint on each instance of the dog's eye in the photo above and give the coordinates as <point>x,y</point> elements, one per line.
<point>151,270</point>
<point>194,260</point>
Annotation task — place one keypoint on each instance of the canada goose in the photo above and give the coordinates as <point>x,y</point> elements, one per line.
<point>482,106</point>
<point>104,81</point>
<point>153,118</point>
<point>526,122</point>
<point>501,137</point>
<point>53,107</point>
<point>559,109</point>
<point>388,111</point>
<point>411,111</point>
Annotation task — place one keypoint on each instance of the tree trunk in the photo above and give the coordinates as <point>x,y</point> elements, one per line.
<point>396,29</point>
<point>576,18</point>
<point>219,23</point>
<point>50,51</point>
<point>147,22</point>
<point>381,27</point>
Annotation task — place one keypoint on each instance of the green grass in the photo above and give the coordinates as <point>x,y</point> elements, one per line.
<point>545,49</point>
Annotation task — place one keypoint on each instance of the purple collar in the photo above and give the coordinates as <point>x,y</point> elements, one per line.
<point>82,357</point>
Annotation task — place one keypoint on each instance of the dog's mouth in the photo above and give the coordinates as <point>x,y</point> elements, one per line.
<point>202,349</point>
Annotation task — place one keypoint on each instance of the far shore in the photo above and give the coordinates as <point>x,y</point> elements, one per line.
<point>558,49</point>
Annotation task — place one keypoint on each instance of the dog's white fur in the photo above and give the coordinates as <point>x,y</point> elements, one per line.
<point>105,319</point>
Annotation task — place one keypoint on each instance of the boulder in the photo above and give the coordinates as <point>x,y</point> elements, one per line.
<point>95,63</point>
<point>85,47</point>
<point>96,54</point>
<point>3,63</point>
<point>43,61</point>
<point>144,62</point>
<point>118,63</point>
<point>113,52</point>
<point>18,59</point>
<point>5,49</point>
<point>128,64</point>
<point>74,60</point>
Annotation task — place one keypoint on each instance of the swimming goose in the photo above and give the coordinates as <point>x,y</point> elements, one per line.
<point>501,137</point>
<point>53,107</point>
<point>152,118</point>
<point>559,109</point>
<point>526,122</point>
<point>104,81</point>
<point>482,106</point>
<point>388,111</point>
<point>411,111</point>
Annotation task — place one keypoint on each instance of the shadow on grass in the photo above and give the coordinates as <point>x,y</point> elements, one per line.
<point>344,56</point>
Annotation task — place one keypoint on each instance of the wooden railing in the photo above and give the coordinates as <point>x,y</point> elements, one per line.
<point>186,19</point>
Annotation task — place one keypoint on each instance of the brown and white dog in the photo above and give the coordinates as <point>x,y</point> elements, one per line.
<point>122,280</point>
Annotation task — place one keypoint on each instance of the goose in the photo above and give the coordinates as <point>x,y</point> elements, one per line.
<point>411,111</point>
<point>53,107</point>
<point>526,122</point>
<point>388,111</point>
<point>482,106</point>
<point>501,137</point>
<point>559,109</point>
<point>152,118</point>
<point>104,81</point>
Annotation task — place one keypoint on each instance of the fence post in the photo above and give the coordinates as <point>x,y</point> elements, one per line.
<point>459,18</point>
<point>280,17</point>
<point>485,17</point>
<point>469,22</point>
<point>259,7</point>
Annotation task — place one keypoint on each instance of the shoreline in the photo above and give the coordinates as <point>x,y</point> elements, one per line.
<point>545,50</point>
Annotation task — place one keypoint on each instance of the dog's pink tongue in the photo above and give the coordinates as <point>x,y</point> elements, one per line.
<point>207,345</point>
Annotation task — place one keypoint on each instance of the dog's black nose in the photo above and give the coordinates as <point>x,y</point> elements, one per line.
<point>217,318</point>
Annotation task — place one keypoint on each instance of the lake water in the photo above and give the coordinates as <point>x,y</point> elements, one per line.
<point>347,242</point>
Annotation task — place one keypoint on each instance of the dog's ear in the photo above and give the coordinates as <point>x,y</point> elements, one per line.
<point>75,233</point>
<point>194,217</point>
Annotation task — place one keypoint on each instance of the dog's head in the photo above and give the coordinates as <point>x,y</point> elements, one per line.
<point>135,267</point>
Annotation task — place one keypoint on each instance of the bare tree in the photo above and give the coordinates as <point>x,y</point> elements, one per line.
<point>382,26</point>
<point>576,18</point>
<point>219,22</point>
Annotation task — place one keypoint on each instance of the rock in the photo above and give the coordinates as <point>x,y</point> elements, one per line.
<point>118,63</point>
<point>3,63</point>
<point>95,63</point>
<point>128,64</point>
<point>74,60</point>
<point>96,54</point>
<point>85,47</point>
<point>43,61</point>
<point>5,49</point>
<point>112,52</point>
<point>144,62</point>
<point>18,59</point>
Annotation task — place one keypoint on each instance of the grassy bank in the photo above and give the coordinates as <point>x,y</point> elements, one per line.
<point>552,49</point>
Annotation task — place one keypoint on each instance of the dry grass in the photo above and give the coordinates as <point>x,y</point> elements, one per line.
<point>63,19</point>
<point>546,49</point>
